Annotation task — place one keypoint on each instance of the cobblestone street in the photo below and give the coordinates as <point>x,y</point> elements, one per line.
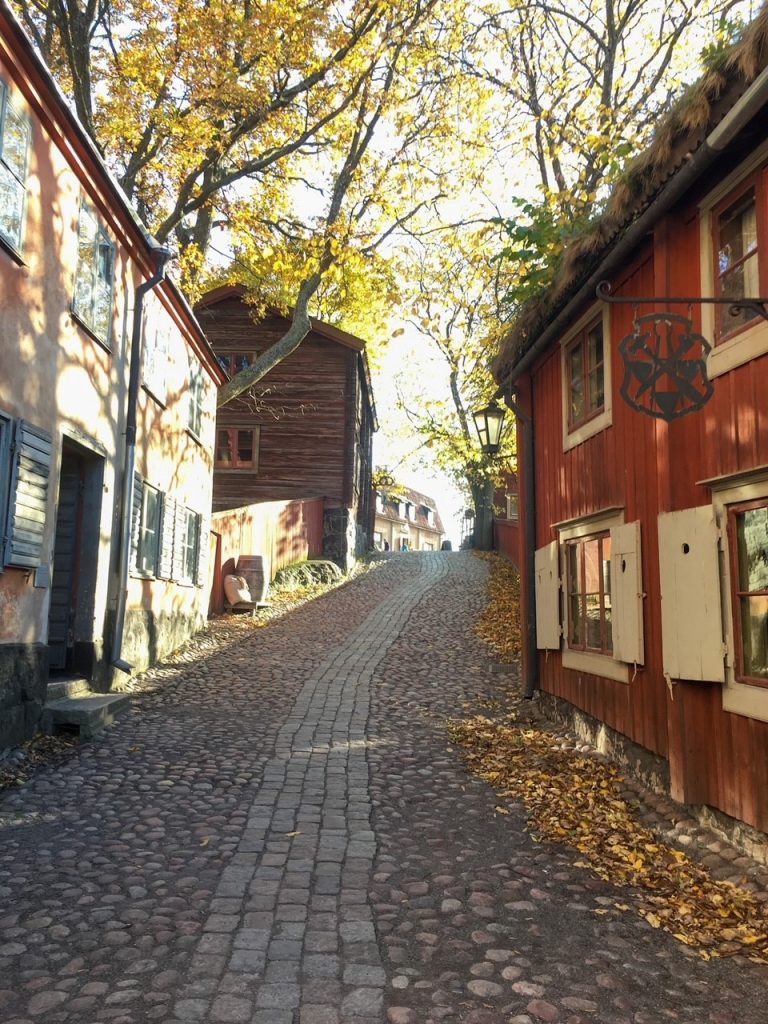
<point>280,833</point>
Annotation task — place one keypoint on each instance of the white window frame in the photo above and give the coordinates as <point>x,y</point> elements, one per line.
<point>752,341</point>
<point>15,241</point>
<point>148,550</point>
<point>96,284</point>
<point>189,554</point>
<point>513,507</point>
<point>157,353</point>
<point>196,399</point>
<point>738,698</point>
<point>584,661</point>
<point>572,438</point>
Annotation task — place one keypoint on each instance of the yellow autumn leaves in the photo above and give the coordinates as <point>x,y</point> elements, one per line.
<point>578,800</point>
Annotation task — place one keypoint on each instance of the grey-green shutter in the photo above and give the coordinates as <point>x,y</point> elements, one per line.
<point>30,475</point>
<point>138,496</point>
<point>165,564</point>
<point>203,547</point>
<point>179,535</point>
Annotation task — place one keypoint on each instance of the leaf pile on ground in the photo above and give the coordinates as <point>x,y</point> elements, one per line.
<point>21,764</point>
<point>575,799</point>
<point>499,624</point>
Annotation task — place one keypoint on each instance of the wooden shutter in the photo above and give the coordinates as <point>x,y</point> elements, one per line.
<point>30,475</point>
<point>203,549</point>
<point>167,524</point>
<point>179,535</point>
<point>136,504</point>
<point>547,566</point>
<point>691,619</point>
<point>627,594</point>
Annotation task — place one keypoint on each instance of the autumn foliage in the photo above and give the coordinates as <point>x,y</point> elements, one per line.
<point>578,800</point>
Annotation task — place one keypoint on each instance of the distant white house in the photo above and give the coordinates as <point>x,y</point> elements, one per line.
<point>406,520</point>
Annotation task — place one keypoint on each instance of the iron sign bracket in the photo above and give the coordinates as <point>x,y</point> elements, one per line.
<point>758,306</point>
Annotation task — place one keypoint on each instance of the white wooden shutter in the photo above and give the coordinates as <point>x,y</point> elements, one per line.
<point>30,475</point>
<point>167,523</point>
<point>627,594</point>
<point>547,565</point>
<point>691,619</point>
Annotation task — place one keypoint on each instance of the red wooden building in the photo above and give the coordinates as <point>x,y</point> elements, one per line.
<point>304,431</point>
<point>647,562</point>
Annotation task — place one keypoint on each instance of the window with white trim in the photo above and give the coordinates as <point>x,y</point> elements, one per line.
<point>734,262</point>
<point>157,352</point>
<point>586,378</point>
<point>189,545</point>
<point>513,506</point>
<point>92,300</point>
<point>748,551</point>
<point>589,598</point>
<point>588,589</point>
<point>15,137</point>
<point>149,531</point>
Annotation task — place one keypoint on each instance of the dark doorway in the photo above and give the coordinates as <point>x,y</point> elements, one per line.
<point>75,561</point>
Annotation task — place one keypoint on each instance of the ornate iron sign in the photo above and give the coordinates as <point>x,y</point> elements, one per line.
<point>665,360</point>
<point>665,367</point>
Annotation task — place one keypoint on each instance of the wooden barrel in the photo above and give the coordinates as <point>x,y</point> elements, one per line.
<point>255,569</point>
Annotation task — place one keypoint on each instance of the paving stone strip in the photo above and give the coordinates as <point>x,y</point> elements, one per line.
<point>291,915</point>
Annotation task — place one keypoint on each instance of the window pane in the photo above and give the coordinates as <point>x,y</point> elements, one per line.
<point>752,546</point>
<point>594,632</point>
<point>224,363</point>
<point>242,361</point>
<point>595,347</point>
<point>11,206</point>
<point>737,232</point>
<point>150,527</point>
<point>224,447</point>
<point>245,446</point>
<point>592,567</point>
<point>15,142</point>
<point>754,636</point>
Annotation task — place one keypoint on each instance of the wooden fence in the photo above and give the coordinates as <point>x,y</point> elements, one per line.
<point>282,531</point>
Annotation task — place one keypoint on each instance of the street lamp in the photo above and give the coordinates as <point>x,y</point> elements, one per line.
<point>488,423</point>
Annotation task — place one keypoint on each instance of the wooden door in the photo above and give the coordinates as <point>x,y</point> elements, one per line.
<point>64,583</point>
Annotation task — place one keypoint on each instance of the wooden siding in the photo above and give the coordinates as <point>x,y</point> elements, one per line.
<point>646,467</point>
<point>305,418</point>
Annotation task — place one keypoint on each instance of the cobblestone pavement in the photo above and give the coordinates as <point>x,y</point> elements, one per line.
<point>280,833</point>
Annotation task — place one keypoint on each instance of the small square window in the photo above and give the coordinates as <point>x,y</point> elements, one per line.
<point>236,447</point>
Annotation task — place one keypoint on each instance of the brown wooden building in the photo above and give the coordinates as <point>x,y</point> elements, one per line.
<point>648,563</point>
<point>305,431</point>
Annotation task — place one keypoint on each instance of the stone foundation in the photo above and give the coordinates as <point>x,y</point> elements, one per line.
<point>23,682</point>
<point>652,770</point>
<point>148,638</point>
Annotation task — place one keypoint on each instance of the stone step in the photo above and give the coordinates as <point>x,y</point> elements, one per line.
<point>88,712</point>
<point>58,688</point>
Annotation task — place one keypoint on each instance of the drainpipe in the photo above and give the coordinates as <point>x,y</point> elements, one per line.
<point>752,101</point>
<point>531,682</point>
<point>162,255</point>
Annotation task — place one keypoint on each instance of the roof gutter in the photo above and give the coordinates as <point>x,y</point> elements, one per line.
<point>742,112</point>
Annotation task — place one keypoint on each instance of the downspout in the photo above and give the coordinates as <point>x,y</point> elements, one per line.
<point>755,97</point>
<point>162,255</point>
<point>531,683</point>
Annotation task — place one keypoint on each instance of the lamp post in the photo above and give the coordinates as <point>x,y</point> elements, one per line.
<point>488,422</point>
